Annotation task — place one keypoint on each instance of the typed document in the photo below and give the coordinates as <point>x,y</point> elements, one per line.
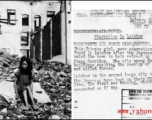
<point>112,64</point>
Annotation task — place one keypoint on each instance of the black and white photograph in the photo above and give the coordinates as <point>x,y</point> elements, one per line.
<point>35,59</point>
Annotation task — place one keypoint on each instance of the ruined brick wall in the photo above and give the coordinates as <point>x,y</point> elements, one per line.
<point>56,35</point>
<point>31,49</point>
<point>46,43</point>
<point>56,38</point>
<point>46,39</point>
<point>37,45</point>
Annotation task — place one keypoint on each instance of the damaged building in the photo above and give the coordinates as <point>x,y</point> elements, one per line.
<point>37,29</point>
<point>40,30</point>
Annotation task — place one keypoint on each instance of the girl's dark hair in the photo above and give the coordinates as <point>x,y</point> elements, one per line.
<point>29,68</point>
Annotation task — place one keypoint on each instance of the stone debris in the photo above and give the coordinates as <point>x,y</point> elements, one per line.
<point>54,77</point>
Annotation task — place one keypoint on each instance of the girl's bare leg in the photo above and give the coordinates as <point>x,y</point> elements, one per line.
<point>31,97</point>
<point>25,99</point>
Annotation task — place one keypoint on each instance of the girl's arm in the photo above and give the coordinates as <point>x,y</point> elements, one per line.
<point>31,86</point>
<point>16,73</point>
<point>15,86</point>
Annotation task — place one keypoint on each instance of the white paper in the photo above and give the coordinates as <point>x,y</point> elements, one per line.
<point>112,55</point>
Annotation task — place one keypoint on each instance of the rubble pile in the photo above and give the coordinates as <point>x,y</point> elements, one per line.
<point>8,63</point>
<point>54,77</point>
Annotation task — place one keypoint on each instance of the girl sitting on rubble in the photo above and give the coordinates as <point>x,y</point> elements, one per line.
<point>23,83</point>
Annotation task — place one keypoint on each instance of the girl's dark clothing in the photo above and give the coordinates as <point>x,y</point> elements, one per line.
<point>23,81</point>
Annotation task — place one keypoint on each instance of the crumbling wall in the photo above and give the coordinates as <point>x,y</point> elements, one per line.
<point>49,38</point>
<point>56,35</point>
<point>46,42</point>
<point>37,45</point>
